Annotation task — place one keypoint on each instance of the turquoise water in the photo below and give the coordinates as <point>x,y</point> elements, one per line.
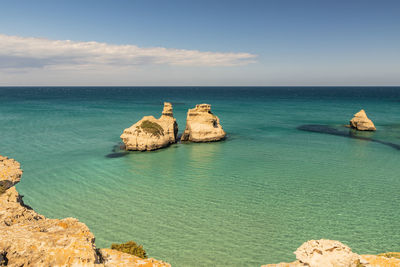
<point>249,200</point>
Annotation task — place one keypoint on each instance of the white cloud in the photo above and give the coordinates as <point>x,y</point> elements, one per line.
<point>33,53</point>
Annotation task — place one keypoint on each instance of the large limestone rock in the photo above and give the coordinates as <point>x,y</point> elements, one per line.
<point>361,122</point>
<point>30,239</point>
<point>150,133</point>
<point>331,253</point>
<point>202,125</point>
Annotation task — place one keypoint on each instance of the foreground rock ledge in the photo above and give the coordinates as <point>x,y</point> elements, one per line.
<point>361,122</point>
<point>150,133</point>
<point>331,253</point>
<point>202,125</point>
<point>30,239</point>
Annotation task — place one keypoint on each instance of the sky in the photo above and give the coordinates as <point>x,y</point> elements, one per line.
<point>199,42</point>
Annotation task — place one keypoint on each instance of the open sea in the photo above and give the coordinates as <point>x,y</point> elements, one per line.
<point>288,172</point>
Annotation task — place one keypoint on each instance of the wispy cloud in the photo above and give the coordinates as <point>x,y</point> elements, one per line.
<point>23,52</point>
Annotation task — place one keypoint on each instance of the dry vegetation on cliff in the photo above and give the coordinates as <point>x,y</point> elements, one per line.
<point>131,247</point>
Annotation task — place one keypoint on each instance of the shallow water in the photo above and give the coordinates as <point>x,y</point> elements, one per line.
<point>249,200</point>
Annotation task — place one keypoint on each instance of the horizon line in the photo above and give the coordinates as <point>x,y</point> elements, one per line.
<point>2,86</point>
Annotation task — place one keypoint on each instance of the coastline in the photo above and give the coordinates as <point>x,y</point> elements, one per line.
<point>30,239</point>
<point>255,187</point>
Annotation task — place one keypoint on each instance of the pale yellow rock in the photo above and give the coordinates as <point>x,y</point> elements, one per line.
<point>390,255</point>
<point>331,253</point>
<point>202,125</point>
<point>361,122</point>
<point>380,261</point>
<point>328,253</point>
<point>150,133</point>
<point>30,239</point>
<point>117,258</point>
<point>10,174</point>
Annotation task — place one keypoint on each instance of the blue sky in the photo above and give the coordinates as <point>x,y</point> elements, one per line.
<point>276,42</point>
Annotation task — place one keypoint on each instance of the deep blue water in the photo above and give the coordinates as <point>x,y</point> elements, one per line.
<point>249,200</point>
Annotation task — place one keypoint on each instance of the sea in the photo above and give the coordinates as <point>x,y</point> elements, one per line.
<point>289,170</point>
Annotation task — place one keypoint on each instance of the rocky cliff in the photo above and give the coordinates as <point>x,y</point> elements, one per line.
<point>331,253</point>
<point>30,239</point>
<point>150,133</point>
<point>361,122</point>
<point>202,125</point>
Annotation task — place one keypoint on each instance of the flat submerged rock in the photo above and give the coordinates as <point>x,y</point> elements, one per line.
<point>325,129</point>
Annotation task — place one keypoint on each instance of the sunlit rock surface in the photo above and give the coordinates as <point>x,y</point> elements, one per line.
<point>10,174</point>
<point>381,261</point>
<point>150,133</point>
<point>329,253</point>
<point>361,122</point>
<point>116,258</point>
<point>202,125</point>
<point>332,253</point>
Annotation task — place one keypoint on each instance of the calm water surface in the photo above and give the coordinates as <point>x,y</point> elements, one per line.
<point>249,200</point>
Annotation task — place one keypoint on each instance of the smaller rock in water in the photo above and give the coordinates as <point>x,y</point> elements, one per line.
<point>202,125</point>
<point>361,122</point>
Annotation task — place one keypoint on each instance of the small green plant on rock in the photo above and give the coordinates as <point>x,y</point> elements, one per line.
<point>132,248</point>
<point>152,128</point>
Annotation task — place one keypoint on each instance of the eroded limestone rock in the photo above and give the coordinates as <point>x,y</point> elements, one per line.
<point>361,122</point>
<point>150,133</point>
<point>202,125</point>
<point>10,174</point>
<point>30,239</point>
<point>331,253</point>
<point>116,258</point>
<point>380,261</point>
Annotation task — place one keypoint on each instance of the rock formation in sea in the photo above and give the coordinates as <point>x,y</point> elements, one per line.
<point>150,133</point>
<point>30,239</point>
<point>202,125</point>
<point>361,122</point>
<point>331,253</point>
